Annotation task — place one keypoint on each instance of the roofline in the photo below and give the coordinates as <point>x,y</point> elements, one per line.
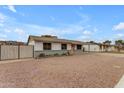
<point>66,40</point>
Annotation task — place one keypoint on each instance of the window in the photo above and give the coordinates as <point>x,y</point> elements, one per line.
<point>79,47</point>
<point>46,46</point>
<point>64,46</point>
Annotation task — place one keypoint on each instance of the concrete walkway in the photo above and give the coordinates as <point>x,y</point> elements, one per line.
<point>120,84</point>
<point>16,60</point>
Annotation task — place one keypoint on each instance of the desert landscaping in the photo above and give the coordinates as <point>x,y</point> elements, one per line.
<point>88,70</point>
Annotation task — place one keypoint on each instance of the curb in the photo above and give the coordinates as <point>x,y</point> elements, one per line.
<point>14,61</point>
<point>120,84</point>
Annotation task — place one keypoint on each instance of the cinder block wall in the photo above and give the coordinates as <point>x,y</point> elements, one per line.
<point>16,52</point>
<point>25,51</point>
<point>9,52</point>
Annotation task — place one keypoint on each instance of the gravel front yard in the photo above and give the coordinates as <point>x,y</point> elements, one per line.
<point>88,70</point>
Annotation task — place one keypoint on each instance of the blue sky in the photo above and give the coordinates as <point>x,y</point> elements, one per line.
<point>82,22</point>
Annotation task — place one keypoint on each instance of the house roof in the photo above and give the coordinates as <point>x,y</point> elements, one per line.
<point>48,38</point>
<point>12,43</point>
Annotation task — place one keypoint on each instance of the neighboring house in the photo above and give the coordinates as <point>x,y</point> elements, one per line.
<point>104,47</point>
<point>99,47</point>
<point>50,45</point>
<point>108,48</point>
<point>12,43</point>
<point>91,47</point>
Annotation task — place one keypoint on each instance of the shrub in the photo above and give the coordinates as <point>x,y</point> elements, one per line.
<point>42,55</point>
<point>56,54</point>
<point>64,54</point>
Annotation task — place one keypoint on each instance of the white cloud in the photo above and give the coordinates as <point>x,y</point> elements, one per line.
<point>21,34</point>
<point>119,26</point>
<point>68,30</point>
<point>86,32</point>
<point>78,31</point>
<point>19,31</point>
<point>2,18</point>
<point>74,30</point>
<point>84,17</point>
<point>120,35</point>
<point>83,38</point>
<point>12,8</point>
<point>7,30</point>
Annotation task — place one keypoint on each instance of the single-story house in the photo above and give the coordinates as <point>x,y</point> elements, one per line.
<point>99,47</point>
<point>50,45</point>
<point>108,48</point>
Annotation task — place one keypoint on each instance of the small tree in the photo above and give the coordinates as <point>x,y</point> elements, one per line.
<point>107,42</point>
<point>119,44</point>
<point>92,41</point>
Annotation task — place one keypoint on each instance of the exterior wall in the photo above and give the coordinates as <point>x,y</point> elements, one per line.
<point>56,49</point>
<point>26,51</point>
<point>114,49</point>
<point>108,49</point>
<point>91,47</point>
<point>86,47</point>
<point>82,47</point>
<point>111,49</point>
<point>75,47</point>
<point>38,46</point>
<point>56,46</point>
<point>68,46</point>
<point>104,49</point>
<point>94,48</point>
<point>9,52</point>
<point>31,43</point>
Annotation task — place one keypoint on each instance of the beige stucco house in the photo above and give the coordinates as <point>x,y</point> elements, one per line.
<point>50,45</point>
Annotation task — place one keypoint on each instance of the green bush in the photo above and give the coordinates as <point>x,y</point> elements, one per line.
<point>42,55</point>
<point>56,54</point>
<point>64,54</point>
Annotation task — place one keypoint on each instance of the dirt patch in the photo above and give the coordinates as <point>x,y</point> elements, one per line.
<point>112,54</point>
<point>89,70</point>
